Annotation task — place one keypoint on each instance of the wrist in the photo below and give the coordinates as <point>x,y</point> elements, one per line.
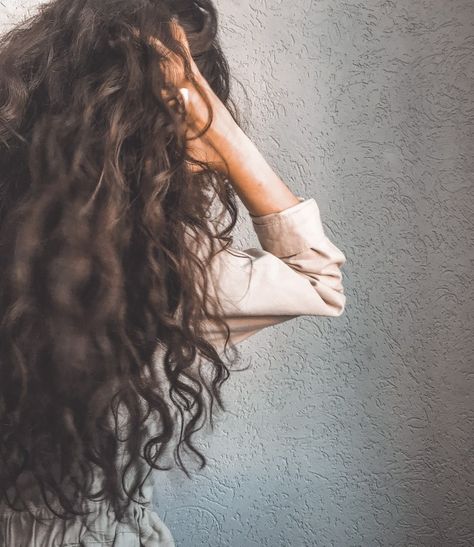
<point>228,139</point>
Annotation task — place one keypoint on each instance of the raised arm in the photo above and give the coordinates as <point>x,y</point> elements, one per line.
<point>297,272</point>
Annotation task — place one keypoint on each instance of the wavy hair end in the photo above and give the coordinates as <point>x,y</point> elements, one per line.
<point>97,206</point>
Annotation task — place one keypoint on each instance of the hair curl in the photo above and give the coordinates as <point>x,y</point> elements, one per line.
<point>97,203</point>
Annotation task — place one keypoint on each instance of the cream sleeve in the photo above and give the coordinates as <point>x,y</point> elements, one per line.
<point>297,272</point>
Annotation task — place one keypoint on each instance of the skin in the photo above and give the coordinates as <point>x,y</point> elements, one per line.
<point>260,189</point>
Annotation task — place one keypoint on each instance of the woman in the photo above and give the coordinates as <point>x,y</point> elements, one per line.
<point>121,294</point>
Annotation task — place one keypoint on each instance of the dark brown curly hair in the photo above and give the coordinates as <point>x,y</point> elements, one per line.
<point>99,217</point>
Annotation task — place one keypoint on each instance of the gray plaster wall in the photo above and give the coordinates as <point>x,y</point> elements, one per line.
<point>357,430</point>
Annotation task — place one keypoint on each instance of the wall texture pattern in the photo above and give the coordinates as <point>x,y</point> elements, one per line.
<point>357,430</point>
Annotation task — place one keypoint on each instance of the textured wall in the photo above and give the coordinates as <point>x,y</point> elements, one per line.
<point>353,431</point>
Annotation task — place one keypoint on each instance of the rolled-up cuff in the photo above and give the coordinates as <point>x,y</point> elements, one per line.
<point>290,231</point>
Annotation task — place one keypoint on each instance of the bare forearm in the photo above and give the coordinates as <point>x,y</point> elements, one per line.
<point>258,186</point>
<point>256,183</point>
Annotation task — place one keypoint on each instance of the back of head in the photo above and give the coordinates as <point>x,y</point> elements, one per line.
<point>97,203</point>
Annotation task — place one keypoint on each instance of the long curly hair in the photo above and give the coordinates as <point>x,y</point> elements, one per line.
<point>100,214</point>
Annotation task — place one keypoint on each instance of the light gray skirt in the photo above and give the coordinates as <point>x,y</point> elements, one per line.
<point>143,528</point>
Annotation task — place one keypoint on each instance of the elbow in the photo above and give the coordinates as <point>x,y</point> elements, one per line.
<point>331,301</point>
<point>342,308</point>
<point>339,304</point>
<point>334,295</point>
<point>331,291</point>
<point>340,297</point>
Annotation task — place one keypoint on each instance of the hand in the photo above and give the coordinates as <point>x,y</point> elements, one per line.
<point>256,183</point>
<point>208,148</point>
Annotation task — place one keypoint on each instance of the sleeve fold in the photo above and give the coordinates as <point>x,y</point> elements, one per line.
<point>296,272</point>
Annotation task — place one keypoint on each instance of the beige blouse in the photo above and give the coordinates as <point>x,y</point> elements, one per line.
<point>297,272</point>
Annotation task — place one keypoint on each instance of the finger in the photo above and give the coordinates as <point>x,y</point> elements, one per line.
<point>172,63</point>
<point>179,33</point>
<point>160,47</point>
